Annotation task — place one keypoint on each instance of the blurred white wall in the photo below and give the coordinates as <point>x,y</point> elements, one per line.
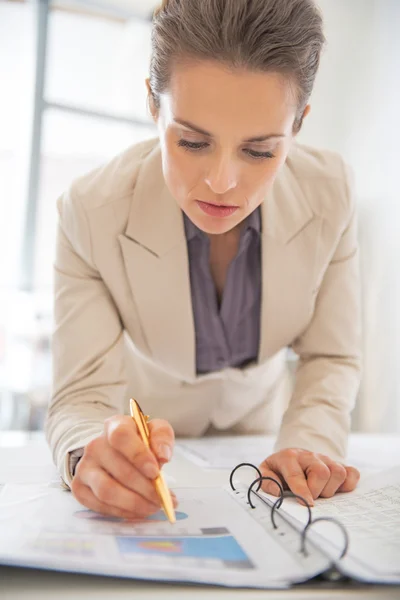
<point>356,111</point>
<point>357,93</point>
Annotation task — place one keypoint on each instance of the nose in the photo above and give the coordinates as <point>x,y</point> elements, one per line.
<point>222,175</point>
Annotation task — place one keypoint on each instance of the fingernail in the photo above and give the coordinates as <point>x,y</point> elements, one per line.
<point>164,452</point>
<point>150,470</point>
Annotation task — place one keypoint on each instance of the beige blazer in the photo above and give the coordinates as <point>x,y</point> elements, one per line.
<point>123,314</point>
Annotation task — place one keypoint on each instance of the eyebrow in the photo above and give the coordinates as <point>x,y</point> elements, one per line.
<point>258,138</point>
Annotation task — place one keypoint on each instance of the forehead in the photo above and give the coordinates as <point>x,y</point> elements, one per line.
<point>215,97</point>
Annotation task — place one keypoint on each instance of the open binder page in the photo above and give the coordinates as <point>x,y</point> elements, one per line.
<point>217,539</point>
<point>371,516</point>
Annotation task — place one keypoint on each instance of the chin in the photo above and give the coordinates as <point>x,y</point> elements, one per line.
<point>215,226</point>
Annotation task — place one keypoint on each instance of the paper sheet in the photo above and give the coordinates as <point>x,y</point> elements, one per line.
<point>19,466</point>
<point>217,539</point>
<point>371,515</point>
<point>225,452</point>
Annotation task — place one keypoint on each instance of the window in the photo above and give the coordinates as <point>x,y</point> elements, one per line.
<point>92,106</point>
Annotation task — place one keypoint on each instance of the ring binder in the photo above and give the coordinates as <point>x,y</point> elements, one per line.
<point>332,520</point>
<point>221,540</point>
<point>260,479</point>
<point>244,464</point>
<point>287,494</point>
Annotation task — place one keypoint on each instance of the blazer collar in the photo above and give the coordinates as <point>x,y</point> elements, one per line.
<point>285,210</point>
<point>154,250</point>
<point>155,219</point>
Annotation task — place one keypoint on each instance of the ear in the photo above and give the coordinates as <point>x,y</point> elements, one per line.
<point>305,113</point>
<point>150,99</point>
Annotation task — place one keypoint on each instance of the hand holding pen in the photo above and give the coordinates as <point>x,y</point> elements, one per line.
<point>117,473</point>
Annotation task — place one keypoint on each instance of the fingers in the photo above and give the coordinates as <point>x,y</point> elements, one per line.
<point>352,478</point>
<point>308,474</point>
<point>109,496</point>
<point>174,499</point>
<point>117,470</point>
<point>286,464</point>
<point>317,472</point>
<point>85,496</point>
<point>325,476</point>
<point>162,439</point>
<point>269,486</point>
<point>120,469</point>
<point>122,435</point>
<point>336,477</point>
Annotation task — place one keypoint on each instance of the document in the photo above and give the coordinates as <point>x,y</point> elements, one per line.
<point>217,539</point>
<point>371,516</point>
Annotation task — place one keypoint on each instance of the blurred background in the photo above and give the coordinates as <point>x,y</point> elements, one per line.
<point>72,95</point>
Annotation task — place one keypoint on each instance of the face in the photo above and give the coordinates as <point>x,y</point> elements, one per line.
<point>224,136</point>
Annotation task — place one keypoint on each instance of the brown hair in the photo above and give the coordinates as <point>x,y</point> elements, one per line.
<point>281,36</point>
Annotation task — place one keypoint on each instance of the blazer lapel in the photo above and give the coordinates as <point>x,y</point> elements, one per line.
<point>156,261</point>
<point>289,243</point>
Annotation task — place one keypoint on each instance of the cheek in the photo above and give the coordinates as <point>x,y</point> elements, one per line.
<point>180,170</point>
<point>259,179</point>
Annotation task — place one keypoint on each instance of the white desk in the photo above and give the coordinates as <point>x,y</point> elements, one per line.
<point>25,458</point>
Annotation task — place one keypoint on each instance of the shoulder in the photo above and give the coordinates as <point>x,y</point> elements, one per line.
<point>114,180</point>
<point>324,178</point>
<point>311,162</point>
<point>105,192</point>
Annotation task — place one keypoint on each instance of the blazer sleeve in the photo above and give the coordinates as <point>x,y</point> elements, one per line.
<point>88,351</point>
<point>329,366</point>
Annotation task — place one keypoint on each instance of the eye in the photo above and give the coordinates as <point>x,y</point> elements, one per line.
<point>192,145</point>
<point>258,155</point>
<point>197,146</point>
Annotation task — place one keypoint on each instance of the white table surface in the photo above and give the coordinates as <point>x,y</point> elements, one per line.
<point>25,458</point>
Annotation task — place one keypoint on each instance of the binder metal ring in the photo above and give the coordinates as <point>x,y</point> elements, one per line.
<point>238,467</point>
<point>332,520</point>
<point>278,504</point>
<point>259,480</point>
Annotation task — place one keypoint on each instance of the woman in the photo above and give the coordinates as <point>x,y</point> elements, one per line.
<point>188,265</point>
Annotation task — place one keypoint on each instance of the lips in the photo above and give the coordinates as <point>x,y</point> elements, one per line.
<point>216,210</point>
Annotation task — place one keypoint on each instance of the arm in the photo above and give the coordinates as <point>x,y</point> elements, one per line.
<point>88,362</point>
<point>328,373</point>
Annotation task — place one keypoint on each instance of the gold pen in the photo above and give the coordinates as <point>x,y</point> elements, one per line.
<point>141,421</point>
